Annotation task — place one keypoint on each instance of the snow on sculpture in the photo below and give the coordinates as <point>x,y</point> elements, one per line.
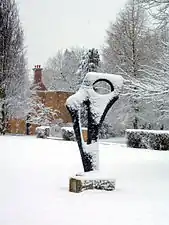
<point>97,107</point>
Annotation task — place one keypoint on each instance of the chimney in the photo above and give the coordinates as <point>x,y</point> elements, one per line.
<point>38,78</point>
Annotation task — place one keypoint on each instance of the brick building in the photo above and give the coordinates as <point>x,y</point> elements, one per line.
<point>54,99</point>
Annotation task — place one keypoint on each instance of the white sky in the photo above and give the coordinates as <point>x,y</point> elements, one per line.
<point>50,25</point>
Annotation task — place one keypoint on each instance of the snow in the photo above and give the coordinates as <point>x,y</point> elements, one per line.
<point>148,131</point>
<point>43,127</point>
<point>71,128</point>
<point>67,128</point>
<point>98,101</point>
<point>34,176</point>
<point>93,175</point>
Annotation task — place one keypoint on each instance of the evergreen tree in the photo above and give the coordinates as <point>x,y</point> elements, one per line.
<point>36,112</point>
<point>12,61</point>
<point>90,63</point>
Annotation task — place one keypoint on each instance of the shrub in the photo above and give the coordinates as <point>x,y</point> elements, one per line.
<point>106,131</point>
<point>68,133</point>
<point>55,130</point>
<point>148,139</point>
<point>42,131</point>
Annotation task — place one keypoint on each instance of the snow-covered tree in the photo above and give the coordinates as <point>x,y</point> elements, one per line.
<point>60,70</point>
<point>90,62</point>
<point>155,85</point>
<point>130,46</point>
<point>12,61</point>
<point>159,10</point>
<point>36,112</point>
<point>126,39</point>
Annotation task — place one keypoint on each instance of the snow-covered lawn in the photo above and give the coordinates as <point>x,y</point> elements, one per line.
<point>34,176</point>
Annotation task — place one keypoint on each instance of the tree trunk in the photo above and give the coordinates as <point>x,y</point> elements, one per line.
<point>135,123</point>
<point>3,120</point>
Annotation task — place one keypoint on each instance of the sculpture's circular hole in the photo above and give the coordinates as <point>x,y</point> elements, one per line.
<point>103,86</point>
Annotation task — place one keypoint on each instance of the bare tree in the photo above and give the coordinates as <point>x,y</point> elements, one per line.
<point>130,46</point>
<point>159,10</point>
<point>155,86</point>
<point>127,39</point>
<point>60,70</point>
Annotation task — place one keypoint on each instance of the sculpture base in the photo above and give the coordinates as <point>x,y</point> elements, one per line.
<point>89,181</point>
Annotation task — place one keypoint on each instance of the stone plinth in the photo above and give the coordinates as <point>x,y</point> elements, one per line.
<point>89,181</point>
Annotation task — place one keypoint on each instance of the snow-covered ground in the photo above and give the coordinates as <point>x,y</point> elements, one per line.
<point>34,176</point>
<point>120,140</point>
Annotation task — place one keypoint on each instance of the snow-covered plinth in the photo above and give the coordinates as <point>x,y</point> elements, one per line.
<point>91,180</point>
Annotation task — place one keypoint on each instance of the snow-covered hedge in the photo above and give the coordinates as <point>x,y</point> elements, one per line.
<point>55,130</point>
<point>148,139</point>
<point>68,133</point>
<point>42,131</point>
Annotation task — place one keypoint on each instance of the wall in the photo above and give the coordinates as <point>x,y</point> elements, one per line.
<point>53,99</point>
<point>56,100</point>
<point>16,126</point>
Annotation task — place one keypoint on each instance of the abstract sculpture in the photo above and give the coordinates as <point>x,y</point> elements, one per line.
<point>97,107</point>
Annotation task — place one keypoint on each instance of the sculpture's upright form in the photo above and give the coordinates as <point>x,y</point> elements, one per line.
<point>97,107</point>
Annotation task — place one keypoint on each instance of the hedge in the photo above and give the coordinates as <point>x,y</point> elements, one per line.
<point>42,132</point>
<point>68,133</point>
<point>148,139</point>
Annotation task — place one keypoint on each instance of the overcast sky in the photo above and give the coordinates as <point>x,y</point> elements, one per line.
<point>50,25</point>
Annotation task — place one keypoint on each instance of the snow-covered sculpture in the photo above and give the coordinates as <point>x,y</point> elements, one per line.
<point>97,107</point>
